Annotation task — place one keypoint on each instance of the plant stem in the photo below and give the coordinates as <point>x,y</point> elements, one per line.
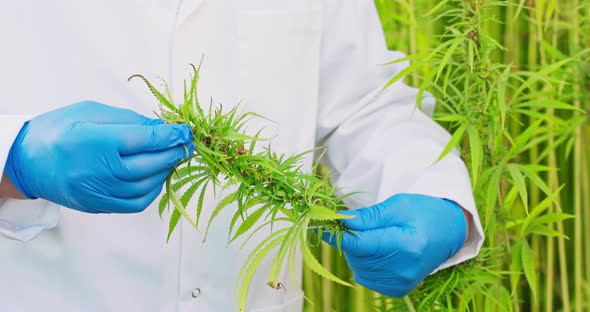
<point>534,153</point>
<point>409,304</point>
<point>585,178</point>
<point>578,232</point>
<point>413,34</point>
<point>553,184</point>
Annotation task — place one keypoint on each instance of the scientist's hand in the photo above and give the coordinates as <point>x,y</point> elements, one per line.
<point>96,158</point>
<point>400,241</point>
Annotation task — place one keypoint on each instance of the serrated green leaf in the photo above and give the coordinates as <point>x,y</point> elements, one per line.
<point>252,263</point>
<point>173,222</point>
<point>515,266</point>
<point>161,98</point>
<point>524,138</point>
<point>455,139</point>
<point>536,180</point>
<point>542,229</point>
<point>439,5</point>
<point>190,192</point>
<point>520,184</point>
<point>553,217</point>
<point>538,210</point>
<point>263,225</point>
<point>180,207</point>
<point>249,274</point>
<point>548,103</point>
<point>293,264</point>
<point>528,264</point>
<point>322,213</point>
<point>399,76</point>
<point>251,202</point>
<point>250,221</point>
<point>447,57</point>
<point>201,201</point>
<point>222,204</point>
<point>476,149</point>
<point>312,263</point>
<point>163,204</point>
<point>236,136</point>
<point>448,118</point>
<point>310,192</point>
<point>290,239</point>
<point>493,188</point>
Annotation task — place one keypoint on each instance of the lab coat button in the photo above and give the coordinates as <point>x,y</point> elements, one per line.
<point>196,292</point>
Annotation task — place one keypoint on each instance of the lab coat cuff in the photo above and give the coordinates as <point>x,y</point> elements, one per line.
<point>23,220</point>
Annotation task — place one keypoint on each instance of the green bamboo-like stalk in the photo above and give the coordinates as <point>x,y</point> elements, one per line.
<point>585,176</point>
<point>553,183</point>
<point>312,286</point>
<point>360,299</point>
<point>495,30</point>
<point>413,36</point>
<point>585,132</point>
<point>553,179</point>
<point>514,50</point>
<point>578,234</point>
<point>327,288</point>
<point>532,60</point>
<point>585,187</point>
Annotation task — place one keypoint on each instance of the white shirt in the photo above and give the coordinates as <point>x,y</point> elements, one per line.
<point>312,66</point>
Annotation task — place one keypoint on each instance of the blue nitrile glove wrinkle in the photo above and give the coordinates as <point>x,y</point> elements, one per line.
<point>96,158</point>
<point>400,241</point>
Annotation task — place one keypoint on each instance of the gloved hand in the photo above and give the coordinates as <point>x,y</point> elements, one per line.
<point>400,241</point>
<point>96,158</point>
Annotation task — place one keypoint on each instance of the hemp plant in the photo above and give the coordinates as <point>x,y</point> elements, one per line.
<point>267,187</point>
<point>499,116</point>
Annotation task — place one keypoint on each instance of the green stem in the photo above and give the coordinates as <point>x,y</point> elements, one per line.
<point>534,153</point>
<point>585,178</point>
<point>413,35</point>
<point>553,184</point>
<point>578,231</point>
<point>409,304</point>
<point>585,149</point>
<point>514,48</point>
<point>327,286</point>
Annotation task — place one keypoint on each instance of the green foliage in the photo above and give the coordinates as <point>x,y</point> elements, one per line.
<point>268,188</point>
<point>489,96</point>
<point>512,83</point>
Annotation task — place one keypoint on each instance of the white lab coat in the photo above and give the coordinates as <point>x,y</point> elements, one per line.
<point>312,66</point>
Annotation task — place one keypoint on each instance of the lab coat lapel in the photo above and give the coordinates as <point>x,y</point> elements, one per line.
<point>188,8</point>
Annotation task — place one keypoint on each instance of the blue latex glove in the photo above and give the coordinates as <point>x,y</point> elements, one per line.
<point>400,241</point>
<point>96,158</point>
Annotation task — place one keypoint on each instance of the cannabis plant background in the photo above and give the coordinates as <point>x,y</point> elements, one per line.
<point>512,80</point>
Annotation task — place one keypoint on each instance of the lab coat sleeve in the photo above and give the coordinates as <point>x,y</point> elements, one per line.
<point>380,143</point>
<point>21,219</point>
